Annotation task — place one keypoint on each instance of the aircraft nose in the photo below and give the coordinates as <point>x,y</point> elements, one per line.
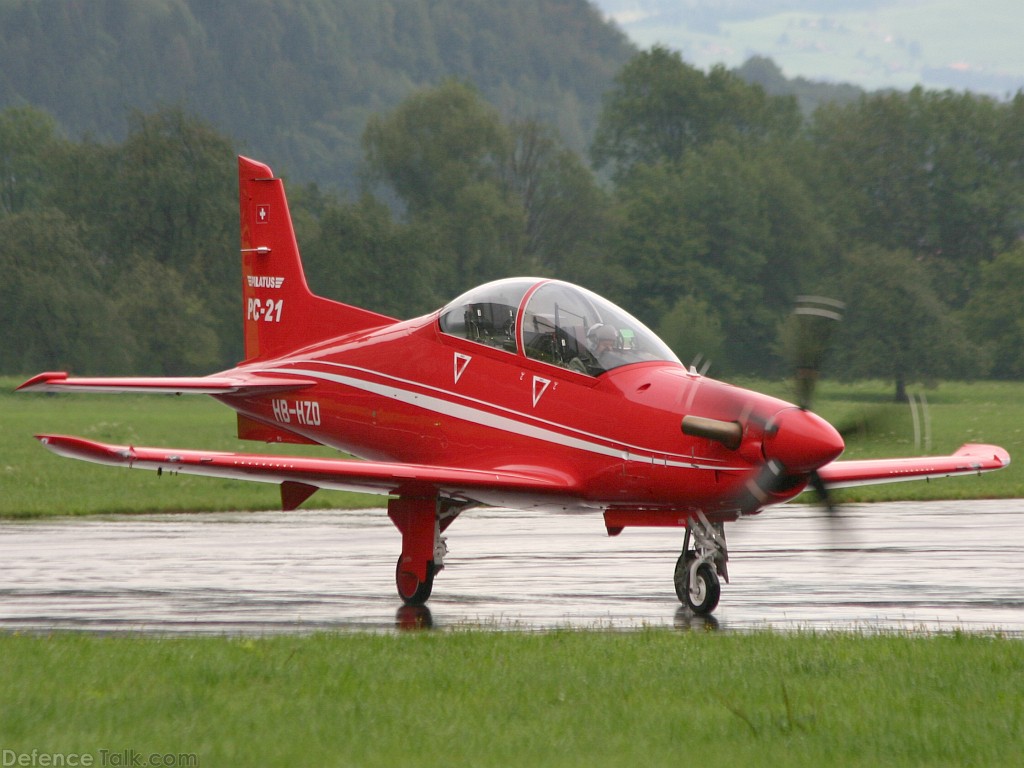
<point>801,441</point>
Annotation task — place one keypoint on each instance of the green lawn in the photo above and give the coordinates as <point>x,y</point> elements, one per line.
<point>35,482</point>
<point>646,698</point>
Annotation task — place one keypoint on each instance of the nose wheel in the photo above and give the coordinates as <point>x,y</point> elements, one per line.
<point>698,588</point>
<point>698,568</point>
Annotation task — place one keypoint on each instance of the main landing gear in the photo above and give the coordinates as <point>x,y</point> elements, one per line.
<point>698,568</point>
<point>421,522</point>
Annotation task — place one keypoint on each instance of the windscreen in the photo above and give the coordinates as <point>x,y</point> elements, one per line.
<point>571,327</point>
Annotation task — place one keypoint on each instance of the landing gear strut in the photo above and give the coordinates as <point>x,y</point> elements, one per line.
<point>421,522</point>
<point>698,568</point>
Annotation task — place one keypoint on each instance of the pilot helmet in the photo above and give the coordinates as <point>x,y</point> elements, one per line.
<point>600,332</point>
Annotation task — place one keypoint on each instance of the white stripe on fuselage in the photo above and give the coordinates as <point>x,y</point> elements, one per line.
<point>516,424</point>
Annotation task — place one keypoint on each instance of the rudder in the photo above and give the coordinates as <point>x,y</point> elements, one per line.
<point>280,312</point>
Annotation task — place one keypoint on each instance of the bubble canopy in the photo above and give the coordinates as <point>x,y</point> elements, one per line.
<point>553,321</point>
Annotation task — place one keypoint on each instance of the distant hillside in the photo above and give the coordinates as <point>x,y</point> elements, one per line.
<point>875,44</point>
<point>809,94</point>
<point>295,80</point>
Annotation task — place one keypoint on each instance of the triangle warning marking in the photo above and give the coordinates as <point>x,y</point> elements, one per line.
<point>540,386</point>
<point>461,363</point>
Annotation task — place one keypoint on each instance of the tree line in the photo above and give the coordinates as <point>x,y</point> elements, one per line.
<point>300,78</point>
<point>703,205</point>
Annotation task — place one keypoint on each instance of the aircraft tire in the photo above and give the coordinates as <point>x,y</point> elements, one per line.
<point>410,588</point>
<point>680,576</point>
<point>704,599</point>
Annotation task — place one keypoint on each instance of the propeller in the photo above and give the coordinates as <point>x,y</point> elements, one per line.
<point>816,318</point>
<point>793,442</point>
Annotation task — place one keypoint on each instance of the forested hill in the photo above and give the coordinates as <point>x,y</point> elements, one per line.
<point>716,205</point>
<point>296,80</point>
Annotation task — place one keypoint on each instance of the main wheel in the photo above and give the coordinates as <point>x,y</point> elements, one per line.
<point>702,596</point>
<point>410,588</point>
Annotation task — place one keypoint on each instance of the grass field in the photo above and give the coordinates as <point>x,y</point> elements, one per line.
<point>647,698</point>
<point>35,482</point>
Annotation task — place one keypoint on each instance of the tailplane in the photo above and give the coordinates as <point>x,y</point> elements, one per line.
<point>281,313</point>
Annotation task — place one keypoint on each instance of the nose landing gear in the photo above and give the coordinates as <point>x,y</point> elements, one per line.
<point>698,569</point>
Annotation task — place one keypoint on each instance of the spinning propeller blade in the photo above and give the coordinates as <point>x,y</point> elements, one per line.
<point>816,318</point>
<point>797,442</point>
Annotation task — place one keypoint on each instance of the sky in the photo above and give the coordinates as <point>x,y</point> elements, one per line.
<point>938,44</point>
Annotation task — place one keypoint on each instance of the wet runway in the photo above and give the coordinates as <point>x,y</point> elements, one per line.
<point>910,566</point>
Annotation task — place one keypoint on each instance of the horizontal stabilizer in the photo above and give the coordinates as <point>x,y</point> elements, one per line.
<point>58,381</point>
<point>970,459</point>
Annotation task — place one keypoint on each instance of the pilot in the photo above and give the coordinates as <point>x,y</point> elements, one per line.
<point>604,344</point>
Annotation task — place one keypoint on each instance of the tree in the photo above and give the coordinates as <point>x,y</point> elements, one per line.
<point>895,325</point>
<point>167,195</point>
<point>993,314</point>
<point>173,332</point>
<point>437,143</point>
<point>296,81</point>
<point>733,229</point>
<point>442,152</point>
<point>55,314</point>
<point>28,140</point>
<point>564,206</point>
<point>361,256</point>
<point>661,108</point>
<point>936,174</point>
<point>177,191</point>
<point>694,332</point>
<point>494,198</point>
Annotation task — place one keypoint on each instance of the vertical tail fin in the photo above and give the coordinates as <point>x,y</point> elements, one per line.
<point>281,313</point>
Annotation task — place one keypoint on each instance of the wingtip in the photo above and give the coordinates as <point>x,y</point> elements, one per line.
<point>56,442</point>
<point>985,452</point>
<point>42,380</point>
<point>50,440</point>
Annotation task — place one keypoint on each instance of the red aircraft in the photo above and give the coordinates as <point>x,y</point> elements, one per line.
<point>521,393</point>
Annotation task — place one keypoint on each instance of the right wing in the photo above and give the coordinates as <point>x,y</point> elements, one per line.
<point>970,459</point>
<point>299,477</point>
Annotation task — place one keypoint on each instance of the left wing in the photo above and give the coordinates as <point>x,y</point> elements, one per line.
<point>972,458</point>
<point>299,477</point>
<point>58,381</point>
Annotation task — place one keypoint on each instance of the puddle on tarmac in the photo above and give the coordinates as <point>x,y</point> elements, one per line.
<point>935,566</point>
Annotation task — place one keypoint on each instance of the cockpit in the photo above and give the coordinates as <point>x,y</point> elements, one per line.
<point>554,322</point>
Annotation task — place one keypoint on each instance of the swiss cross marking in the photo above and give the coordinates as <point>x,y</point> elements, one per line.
<point>262,213</point>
